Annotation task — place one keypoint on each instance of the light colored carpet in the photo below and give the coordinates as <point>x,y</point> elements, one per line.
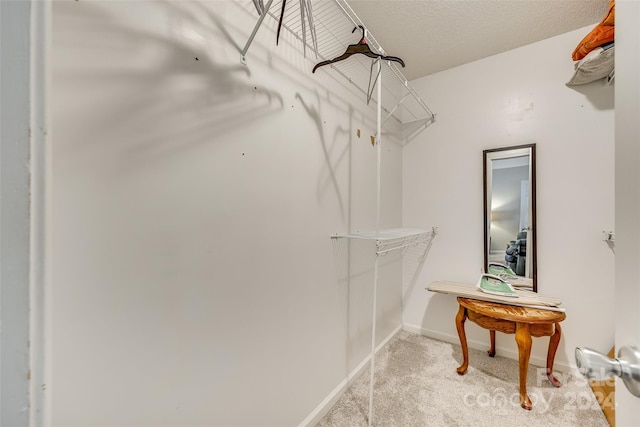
<point>417,385</point>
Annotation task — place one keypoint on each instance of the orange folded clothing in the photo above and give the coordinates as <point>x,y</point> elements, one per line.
<point>603,33</point>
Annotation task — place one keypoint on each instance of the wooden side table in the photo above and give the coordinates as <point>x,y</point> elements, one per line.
<point>524,322</point>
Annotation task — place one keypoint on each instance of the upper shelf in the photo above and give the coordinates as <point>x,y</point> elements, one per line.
<point>334,22</point>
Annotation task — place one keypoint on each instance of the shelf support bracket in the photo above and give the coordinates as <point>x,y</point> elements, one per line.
<point>245,49</point>
<point>395,108</point>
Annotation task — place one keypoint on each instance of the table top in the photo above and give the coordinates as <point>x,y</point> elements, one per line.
<point>512,312</point>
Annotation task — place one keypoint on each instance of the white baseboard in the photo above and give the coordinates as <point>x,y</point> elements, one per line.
<point>321,410</point>
<point>558,366</point>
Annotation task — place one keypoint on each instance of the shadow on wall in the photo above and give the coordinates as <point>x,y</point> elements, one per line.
<point>157,92</point>
<point>332,160</point>
<point>414,260</point>
<point>441,309</point>
<point>598,93</point>
<point>355,261</point>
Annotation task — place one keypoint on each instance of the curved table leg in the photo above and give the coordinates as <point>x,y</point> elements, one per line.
<point>460,319</point>
<point>523,339</point>
<point>492,349</point>
<point>551,354</point>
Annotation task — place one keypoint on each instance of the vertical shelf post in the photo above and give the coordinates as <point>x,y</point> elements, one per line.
<point>375,271</point>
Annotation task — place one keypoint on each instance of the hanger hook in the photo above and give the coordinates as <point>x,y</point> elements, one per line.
<point>363,31</point>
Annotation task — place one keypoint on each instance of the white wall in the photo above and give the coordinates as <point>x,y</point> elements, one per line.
<point>515,98</point>
<point>194,280</point>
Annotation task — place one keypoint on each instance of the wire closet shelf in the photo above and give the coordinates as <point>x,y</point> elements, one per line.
<point>393,239</point>
<point>334,22</point>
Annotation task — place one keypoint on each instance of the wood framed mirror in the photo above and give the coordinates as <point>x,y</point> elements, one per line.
<point>510,212</point>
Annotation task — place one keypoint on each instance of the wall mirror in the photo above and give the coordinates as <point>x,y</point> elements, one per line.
<point>510,212</point>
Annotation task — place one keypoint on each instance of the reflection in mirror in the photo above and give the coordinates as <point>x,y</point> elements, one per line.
<point>510,214</point>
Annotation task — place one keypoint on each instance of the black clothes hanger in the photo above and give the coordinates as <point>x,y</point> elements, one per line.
<point>284,2</point>
<point>363,48</point>
<point>305,9</point>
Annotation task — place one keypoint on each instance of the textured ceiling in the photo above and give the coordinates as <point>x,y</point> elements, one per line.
<point>434,35</point>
